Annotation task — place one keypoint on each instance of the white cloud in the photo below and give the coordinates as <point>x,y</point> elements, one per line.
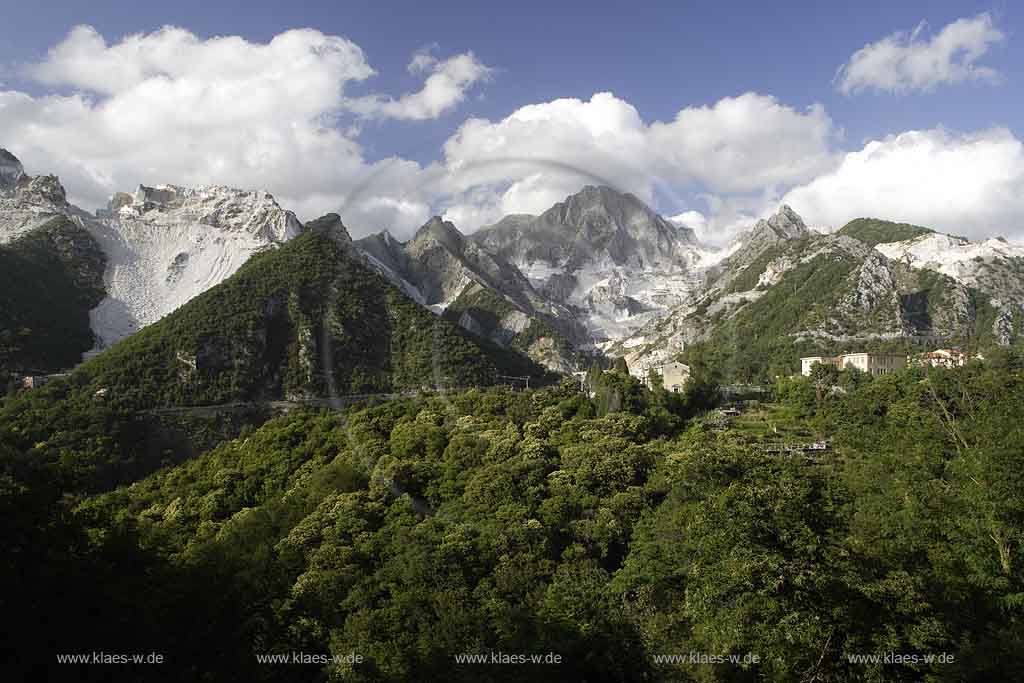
<point>904,62</point>
<point>966,184</point>
<point>423,59</point>
<point>170,107</point>
<point>444,89</point>
<point>745,143</point>
<point>692,219</point>
<point>84,60</point>
<point>541,152</point>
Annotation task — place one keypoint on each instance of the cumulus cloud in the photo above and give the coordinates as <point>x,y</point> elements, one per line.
<point>445,88</point>
<point>423,59</point>
<point>168,106</point>
<point>904,62</point>
<point>543,151</point>
<point>692,219</point>
<point>745,143</point>
<point>966,184</point>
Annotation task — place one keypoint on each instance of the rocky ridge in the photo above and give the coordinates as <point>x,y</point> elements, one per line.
<point>454,276</point>
<point>604,254</point>
<point>931,288</point>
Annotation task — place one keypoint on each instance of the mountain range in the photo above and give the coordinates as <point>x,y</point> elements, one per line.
<point>599,273</point>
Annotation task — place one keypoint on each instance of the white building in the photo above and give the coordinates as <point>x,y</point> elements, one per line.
<point>673,375</point>
<point>810,361</point>
<point>944,358</point>
<point>871,363</point>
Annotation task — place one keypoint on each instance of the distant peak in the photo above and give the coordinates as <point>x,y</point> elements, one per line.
<point>787,211</point>
<point>786,224</point>
<point>11,170</point>
<point>330,226</point>
<point>441,230</point>
<point>603,192</point>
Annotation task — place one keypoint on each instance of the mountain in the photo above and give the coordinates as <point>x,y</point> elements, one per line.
<point>28,202</point>
<point>604,254</point>
<point>786,291</point>
<point>485,294</point>
<point>306,320</point>
<point>50,278</point>
<point>167,244</point>
<point>873,231</point>
<point>992,266</point>
<point>162,245</point>
<point>783,226</point>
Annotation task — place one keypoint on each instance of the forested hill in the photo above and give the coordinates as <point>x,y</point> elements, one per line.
<point>304,320</point>
<point>620,532</point>
<point>49,280</point>
<point>307,319</point>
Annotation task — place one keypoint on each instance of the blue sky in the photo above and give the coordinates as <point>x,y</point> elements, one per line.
<point>659,58</point>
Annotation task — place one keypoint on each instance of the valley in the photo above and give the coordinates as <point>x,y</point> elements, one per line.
<point>582,432</point>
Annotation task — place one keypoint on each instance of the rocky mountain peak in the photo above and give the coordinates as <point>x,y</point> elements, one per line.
<point>330,226</point>
<point>785,224</point>
<point>224,208</point>
<point>440,231</point>
<point>43,189</point>
<point>600,210</point>
<point>11,170</point>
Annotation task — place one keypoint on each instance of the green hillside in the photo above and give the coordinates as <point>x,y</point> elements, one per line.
<point>305,320</point>
<point>756,342</point>
<point>416,531</point>
<point>299,321</point>
<point>49,280</point>
<point>874,231</point>
<point>487,308</point>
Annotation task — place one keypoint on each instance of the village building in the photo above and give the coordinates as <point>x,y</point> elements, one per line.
<point>36,381</point>
<point>943,358</point>
<point>673,376</point>
<point>871,363</point>
<point>810,361</point>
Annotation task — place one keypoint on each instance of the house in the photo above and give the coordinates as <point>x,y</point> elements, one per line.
<point>943,358</point>
<point>871,363</point>
<point>810,361</point>
<point>875,363</point>
<point>36,381</point>
<point>674,376</point>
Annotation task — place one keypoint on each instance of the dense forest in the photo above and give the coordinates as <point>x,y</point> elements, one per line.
<point>623,530</point>
<point>49,280</point>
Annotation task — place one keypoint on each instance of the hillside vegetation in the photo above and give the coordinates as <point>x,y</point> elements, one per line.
<point>305,320</point>
<point>610,532</point>
<point>49,280</point>
<point>874,231</point>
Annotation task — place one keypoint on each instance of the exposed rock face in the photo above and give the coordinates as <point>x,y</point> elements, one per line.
<point>925,288</point>
<point>331,227</point>
<point>596,225</point>
<point>441,268</point>
<point>167,244</point>
<point>784,226</point>
<point>11,170</point>
<point>994,266</point>
<point>875,286</point>
<point>225,208</point>
<point>440,262</point>
<point>27,202</point>
<point>580,251</point>
<point>80,253</point>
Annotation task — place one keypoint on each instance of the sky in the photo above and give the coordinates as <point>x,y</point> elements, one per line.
<point>388,113</point>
